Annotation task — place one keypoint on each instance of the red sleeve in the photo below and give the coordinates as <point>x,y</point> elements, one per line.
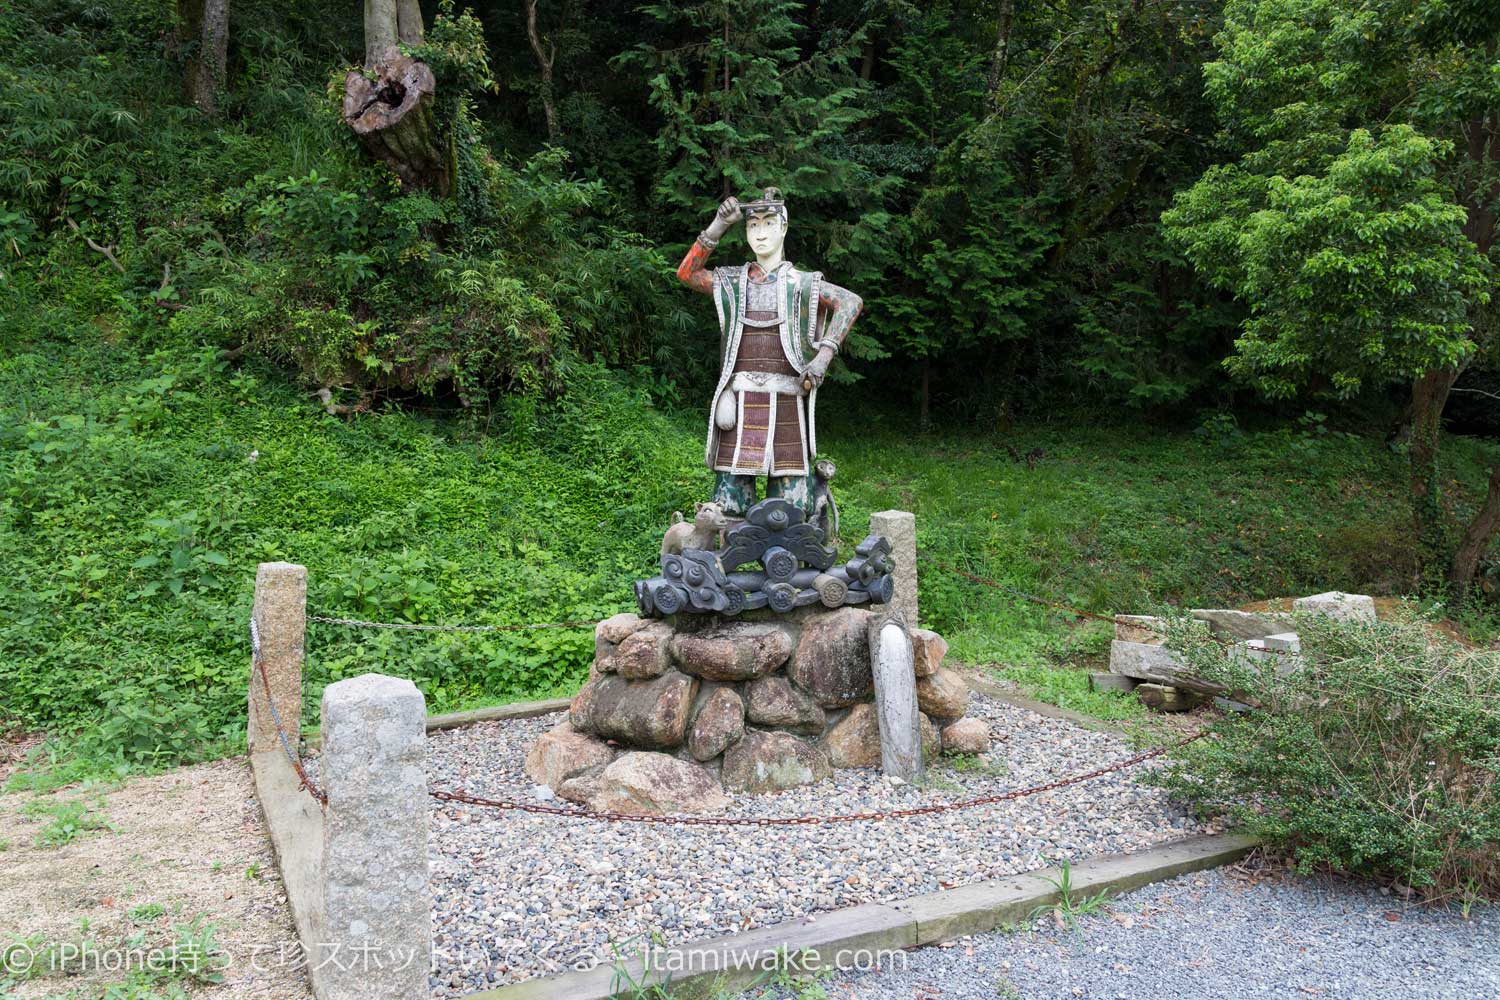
<point>691,271</point>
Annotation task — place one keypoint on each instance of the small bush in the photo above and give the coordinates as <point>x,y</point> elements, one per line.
<point>1378,755</point>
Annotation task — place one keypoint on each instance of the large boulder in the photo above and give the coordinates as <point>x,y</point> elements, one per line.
<point>656,783</point>
<point>650,713</point>
<point>966,736</point>
<point>927,651</point>
<point>833,658</point>
<point>733,651</point>
<point>563,752</point>
<point>854,741</point>
<point>771,762</point>
<point>773,701</point>
<point>943,695</point>
<point>719,722</point>
<point>643,654</point>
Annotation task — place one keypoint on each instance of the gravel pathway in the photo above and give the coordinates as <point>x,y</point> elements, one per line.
<point>1216,935</point>
<point>518,895</point>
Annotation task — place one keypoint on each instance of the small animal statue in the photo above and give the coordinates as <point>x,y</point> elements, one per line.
<point>702,533</point>
<point>825,511</point>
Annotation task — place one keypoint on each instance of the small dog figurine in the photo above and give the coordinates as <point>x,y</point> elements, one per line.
<point>825,511</point>
<point>702,533</point>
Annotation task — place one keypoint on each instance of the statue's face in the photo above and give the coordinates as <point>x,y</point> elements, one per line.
<point>765,232</point>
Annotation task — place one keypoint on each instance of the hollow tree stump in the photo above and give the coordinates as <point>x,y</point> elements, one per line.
<point>389,106</point>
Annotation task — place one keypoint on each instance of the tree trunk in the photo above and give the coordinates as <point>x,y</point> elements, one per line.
<point>1475,539</point>
<point>392,115</point>
<point>209,67</point>
<point>381,29</point>
<point>388,104</point>
<point>409,27</point>
<point>925,418</point>
<point>1429,394</point>
<point>544,62</point>
<point>1479,227</point>
<point>1000,61</point>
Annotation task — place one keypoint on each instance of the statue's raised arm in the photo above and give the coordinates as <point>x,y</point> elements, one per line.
<point>691,271</point>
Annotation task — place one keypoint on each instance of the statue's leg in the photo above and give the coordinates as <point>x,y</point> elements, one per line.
<point>797,489</point>
<point>735,494</point>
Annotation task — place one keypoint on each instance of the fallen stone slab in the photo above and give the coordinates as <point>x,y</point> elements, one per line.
<point>1155,664</point>
<point>518,710</point>
<point>1112,682</point>
<point>1145,629</point>
<point>1280,653</point>
<point>1227,623</point>
<point>1336,604</point>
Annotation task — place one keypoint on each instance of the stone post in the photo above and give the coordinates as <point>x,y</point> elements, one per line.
<point>281,620</point>
<point>375,881</point>
<point>893,664</point>
<point>900,528</point>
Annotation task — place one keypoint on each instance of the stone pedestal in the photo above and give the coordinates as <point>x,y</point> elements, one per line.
<point>375,880</point>
<point>757,703</point>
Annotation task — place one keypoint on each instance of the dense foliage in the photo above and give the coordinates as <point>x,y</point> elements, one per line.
<point>1378,752</point>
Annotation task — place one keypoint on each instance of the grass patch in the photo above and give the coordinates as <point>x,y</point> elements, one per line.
<point>1068,687</point>
<point>68,819</point>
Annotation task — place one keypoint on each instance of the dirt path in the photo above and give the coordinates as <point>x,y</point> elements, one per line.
<point>187,844</point>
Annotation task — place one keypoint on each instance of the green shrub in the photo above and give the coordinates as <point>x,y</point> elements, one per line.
<point>1379,755</point>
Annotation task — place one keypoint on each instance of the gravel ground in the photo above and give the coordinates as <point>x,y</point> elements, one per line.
<point>1220,935</point>
<point>518,895</point>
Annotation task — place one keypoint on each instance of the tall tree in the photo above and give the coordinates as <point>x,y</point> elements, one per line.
<point>545,58</point>
<point>205,28</point>
<point>1359,220</point>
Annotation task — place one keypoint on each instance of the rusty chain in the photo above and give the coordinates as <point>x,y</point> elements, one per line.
<point>413,627</point>
<point>574,812</point>
<point>286,746</point>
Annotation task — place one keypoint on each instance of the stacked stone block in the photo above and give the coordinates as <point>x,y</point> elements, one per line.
<point>677,712</point>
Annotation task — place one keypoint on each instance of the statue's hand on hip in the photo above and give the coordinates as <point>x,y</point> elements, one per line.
<point>818,370</point>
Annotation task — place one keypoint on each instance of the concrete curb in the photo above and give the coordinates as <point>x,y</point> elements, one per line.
<point>295,825</point>
<point>704,969</point>
<point>516,710</point>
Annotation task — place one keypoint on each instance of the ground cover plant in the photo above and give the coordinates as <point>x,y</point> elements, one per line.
<point>1377,752</point>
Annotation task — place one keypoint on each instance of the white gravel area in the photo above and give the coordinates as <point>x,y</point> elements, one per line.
<point>1218,935</point>
<point>517,895</point>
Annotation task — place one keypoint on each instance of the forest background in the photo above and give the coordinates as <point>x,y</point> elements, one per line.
<point>1181,295</point>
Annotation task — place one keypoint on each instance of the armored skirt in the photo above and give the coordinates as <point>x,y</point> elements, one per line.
<point>770,409</point>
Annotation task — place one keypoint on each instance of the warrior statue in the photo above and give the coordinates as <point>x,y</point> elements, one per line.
<point>779,328</point>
